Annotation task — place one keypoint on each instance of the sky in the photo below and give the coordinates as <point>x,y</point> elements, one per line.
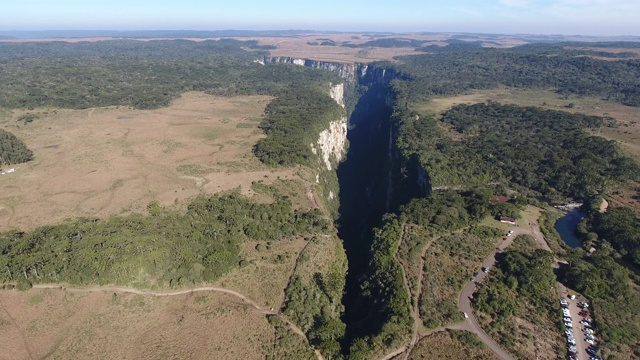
<point>568,17</point>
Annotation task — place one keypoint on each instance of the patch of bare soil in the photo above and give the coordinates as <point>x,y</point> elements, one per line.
<point>105,161</point>
<point>59,325</point>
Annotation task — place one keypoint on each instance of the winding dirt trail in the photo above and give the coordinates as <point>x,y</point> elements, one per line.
<point>470,324</point>
<point>127,290</point>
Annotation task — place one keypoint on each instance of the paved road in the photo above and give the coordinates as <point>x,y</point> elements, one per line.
<point>467,292</point>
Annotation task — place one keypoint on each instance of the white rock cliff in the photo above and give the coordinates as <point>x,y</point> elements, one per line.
<point>332,142</point>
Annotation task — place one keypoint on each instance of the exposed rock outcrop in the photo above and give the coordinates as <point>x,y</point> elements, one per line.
<point>333,142</point>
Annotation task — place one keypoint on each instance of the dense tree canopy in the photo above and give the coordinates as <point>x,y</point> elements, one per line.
<point>167,248</point>
<point>141,74</point>
<point>546,151</point>
<point>12,149</point>
<point>463,67</point>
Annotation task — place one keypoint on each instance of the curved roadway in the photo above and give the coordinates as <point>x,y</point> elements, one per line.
<point>465,299</point>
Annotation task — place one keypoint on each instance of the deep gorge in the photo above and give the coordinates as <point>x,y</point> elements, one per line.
<point>374,179</point>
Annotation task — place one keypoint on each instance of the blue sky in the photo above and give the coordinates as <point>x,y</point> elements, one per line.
<point>587,17</point>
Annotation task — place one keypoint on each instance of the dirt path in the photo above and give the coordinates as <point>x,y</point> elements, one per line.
<point>120,289</point>
<point>419,331</point>
<point>22,336</point>
<point>292,274</point>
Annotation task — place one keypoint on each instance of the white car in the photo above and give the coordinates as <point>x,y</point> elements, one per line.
<point>590,342</point>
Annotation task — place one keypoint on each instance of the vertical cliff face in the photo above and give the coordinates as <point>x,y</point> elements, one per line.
<point>350,72</point>
<point>332,142</point>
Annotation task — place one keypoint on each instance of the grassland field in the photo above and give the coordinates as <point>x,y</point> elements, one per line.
<point>105,161</point>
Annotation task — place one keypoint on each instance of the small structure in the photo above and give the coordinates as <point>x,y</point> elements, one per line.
<point>507,220</point>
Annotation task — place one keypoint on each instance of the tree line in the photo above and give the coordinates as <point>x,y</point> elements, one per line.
<point>542,152</point>
<point>166,248</point>
<point>13,150</point>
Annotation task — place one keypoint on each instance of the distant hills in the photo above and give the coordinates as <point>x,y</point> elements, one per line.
<point>47,34</point>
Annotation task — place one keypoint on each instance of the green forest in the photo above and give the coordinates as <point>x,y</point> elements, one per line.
<point>167,248</point>
<point>292,122</point>
<point>143,75</point>
<point>542,152</point>
<point>460,68</point>
<point>13,150</point>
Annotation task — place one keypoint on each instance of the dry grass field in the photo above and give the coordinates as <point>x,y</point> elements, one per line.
<point>55,324</point>
<point>451,345</point>
<point>626,134</point>
<point>105,161</point>
<point>266,276</point>
<point>449,263</point>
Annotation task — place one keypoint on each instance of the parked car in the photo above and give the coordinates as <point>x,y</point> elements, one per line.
<point>485,270</point>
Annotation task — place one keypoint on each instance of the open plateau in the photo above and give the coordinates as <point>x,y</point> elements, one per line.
<point>312,195</point>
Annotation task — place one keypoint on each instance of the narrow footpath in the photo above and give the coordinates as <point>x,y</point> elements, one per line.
<point>246,300</point>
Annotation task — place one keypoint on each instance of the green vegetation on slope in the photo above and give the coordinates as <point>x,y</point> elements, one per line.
<point>292,122</point>
<point>165,248</point>
<point>314,302</point>
<point>384,301</point>
<point>521,288</point>
<point>13,150</point>
<point>614,299</point>
<point>288,345</point>
<point>541,151</point>
<point>621,228</point>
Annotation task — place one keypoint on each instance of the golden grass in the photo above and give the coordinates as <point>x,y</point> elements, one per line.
<point>451,345</point>
<point>266,276</point>
<point>103,326</point>
<point>104,161</point>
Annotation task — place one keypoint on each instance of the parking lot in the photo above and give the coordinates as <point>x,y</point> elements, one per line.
<point>581,337</point>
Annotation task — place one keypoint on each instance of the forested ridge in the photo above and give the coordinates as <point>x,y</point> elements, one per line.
<point>542,152</point>
<point>291,123</point>
<point>529,66</point>
<point>13,150</point>
<point>142,75</point>
<point>167,248</point>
